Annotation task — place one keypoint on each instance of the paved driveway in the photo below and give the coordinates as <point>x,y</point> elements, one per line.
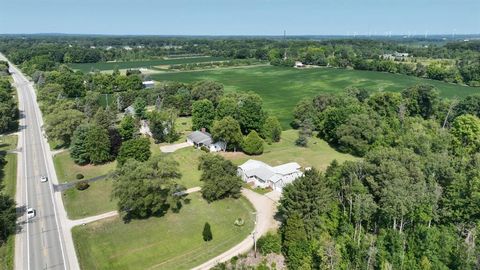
<point>173,147</point>
<point>265,210</point>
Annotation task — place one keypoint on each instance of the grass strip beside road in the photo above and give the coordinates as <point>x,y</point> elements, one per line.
<point>9,181</point>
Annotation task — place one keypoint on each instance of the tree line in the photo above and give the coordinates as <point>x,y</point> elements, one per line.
<point>410,203</point>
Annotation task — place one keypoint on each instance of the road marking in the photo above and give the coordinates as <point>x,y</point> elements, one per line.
<point>24,158</point>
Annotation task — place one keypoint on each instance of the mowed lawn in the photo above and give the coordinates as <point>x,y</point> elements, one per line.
<point>173,241</point>
<point>317,154</point>
<point>281,88</point>
<point>67,169</point>
<point>87,67</point>
<point>90,202</point>
<point>8,177</point>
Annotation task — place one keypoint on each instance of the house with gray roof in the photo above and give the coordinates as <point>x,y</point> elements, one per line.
<point>201,138</point>
<point>263,175</point>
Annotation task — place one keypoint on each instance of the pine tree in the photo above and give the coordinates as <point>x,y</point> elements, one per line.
<point>207,233</point>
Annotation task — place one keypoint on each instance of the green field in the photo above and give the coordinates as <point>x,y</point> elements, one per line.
<point>87,67</point>
<point>67,169</point>
<point>90,202</point>
<point>8,179</point>
<point>317,154</point>
<point>173,241</point>
<point>281,88</point>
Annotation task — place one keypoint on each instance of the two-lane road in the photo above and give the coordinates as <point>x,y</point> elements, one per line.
<point>41,242</point>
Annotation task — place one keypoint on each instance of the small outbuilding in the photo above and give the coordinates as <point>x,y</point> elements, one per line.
<point>148,84</point>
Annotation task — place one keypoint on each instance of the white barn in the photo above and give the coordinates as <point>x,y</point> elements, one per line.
<point>265,176</point>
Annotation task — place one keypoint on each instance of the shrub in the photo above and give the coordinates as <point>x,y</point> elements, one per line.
<point>253,144</point>
<point>269,243</point>
<point>302,141</point>
<point>82,185</point>
<point>79,176</point>
<point>204,149</point>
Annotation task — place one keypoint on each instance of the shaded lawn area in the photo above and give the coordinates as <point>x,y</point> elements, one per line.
<point>282,88</point>
<point>93,201</point>
<point>67,169</point>
<point>8,179</point>
<point>173,241</point>
<point>317,154</point>
<point>188,166</point>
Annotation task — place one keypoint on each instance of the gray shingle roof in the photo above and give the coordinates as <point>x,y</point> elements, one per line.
<point>199,137</point>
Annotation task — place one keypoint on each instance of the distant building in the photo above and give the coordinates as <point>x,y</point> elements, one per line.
<point>130,110</point>
<point>148,84</point>
<point>298,64</point>
<point>263,175</point>
<point>203,138</point>
<point>127,48</point>
<point>396,56</point>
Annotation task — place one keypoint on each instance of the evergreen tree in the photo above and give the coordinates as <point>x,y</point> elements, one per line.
<point>207,232</point>
<point>253,144</point>
<point>272,130</point>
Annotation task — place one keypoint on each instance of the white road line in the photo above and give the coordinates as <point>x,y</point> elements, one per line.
<point>26,181</point>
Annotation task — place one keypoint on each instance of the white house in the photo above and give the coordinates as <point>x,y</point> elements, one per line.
<point>148,84</point>
<point>265,176</point>
<point>203,138</point>
<point>130,110</point>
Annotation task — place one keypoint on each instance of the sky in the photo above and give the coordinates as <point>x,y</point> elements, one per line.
<point>240,17</point>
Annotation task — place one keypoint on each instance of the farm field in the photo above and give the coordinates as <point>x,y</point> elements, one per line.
<point>173,241</point>
<point>282,88</point>
<point>317,154</point>
<point>87,67</point>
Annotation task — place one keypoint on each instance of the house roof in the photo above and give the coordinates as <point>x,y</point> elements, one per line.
<point>200,137</point>
<point>287,168</point>
<point>267,172</point>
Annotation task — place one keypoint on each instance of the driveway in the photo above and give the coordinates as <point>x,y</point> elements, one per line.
<point>173,147</point>
<point>265,209</point>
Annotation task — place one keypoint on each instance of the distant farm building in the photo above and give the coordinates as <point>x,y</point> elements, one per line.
<point>148,84</point>
<point>130,110</point>
<point>263,175</point>
<point>396,56</point>
<point>203,138</point>
<point>298,64</point>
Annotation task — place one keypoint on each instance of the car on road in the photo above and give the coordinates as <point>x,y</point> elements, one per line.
<point>31,213</point>
<point>43,179</point>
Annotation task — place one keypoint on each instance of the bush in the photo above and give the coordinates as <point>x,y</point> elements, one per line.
<point>79,176</point>
<point>253,144</point>
<point>302,141</point>
<point>269,243</point>
<point>207,233</point>
<point>82,185</point>
<point>205,149</point>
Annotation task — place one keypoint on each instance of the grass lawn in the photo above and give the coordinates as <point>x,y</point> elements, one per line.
<point>87,67</point>
<point>8,177</point>
<point>173,241</point>
<point>317,154</point>
<point>67,169</point>
<point>188,166</point>
<point>282,88</point>
<point>92,201</point>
